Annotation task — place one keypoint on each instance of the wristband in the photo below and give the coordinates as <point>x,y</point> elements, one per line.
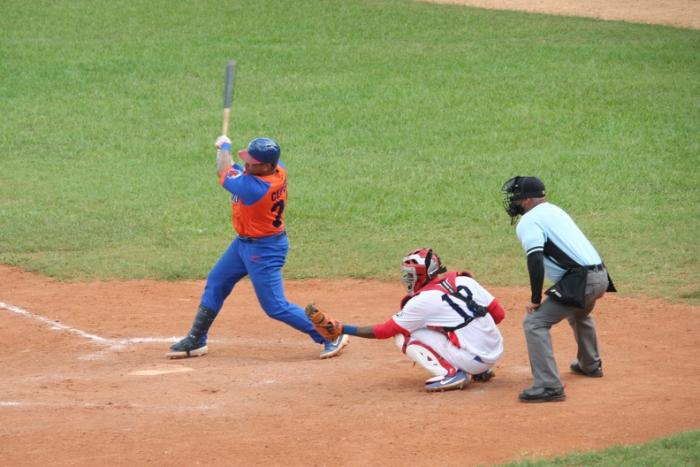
<point>226,147</point>
<point>350,329</point>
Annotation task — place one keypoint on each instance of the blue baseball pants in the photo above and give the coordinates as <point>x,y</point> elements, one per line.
<point>262,259</point>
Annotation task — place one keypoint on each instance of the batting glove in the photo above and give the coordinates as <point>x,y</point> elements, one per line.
<point>223,143</point>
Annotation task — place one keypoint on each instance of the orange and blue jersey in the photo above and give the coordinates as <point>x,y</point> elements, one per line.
<point>259,251</point>
<point>257,202</point>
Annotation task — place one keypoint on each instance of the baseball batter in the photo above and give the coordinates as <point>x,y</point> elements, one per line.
<point>447,324</point>
<point>258,198</point>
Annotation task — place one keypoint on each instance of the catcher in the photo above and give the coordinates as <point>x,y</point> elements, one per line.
<point>447,324</point>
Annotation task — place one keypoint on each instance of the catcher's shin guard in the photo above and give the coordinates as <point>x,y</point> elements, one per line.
<point>425,356</point>
<point>195,343</point>
<point>446,377</point>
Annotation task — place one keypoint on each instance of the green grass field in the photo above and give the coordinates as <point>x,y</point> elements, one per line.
<point>399,122</point>
<point>677,451</point>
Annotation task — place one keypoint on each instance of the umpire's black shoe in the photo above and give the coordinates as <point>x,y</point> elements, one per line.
<point>597,373</point>
<point>542,395</point>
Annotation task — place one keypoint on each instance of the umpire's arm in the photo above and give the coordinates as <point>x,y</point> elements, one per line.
<point>535,267</point>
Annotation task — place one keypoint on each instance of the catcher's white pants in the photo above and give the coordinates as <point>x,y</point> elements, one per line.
<point>427,347</point>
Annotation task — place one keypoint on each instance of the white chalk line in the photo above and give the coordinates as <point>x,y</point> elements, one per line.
<point>111,343</point>
<point>114,405</point>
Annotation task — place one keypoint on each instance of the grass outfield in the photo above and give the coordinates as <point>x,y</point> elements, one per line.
<point>399,122</point>
<point>677,451</point>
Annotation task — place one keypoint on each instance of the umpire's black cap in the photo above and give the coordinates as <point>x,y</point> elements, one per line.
<point>524,187</point>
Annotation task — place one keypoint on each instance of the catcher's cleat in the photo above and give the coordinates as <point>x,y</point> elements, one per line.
<point>483,377</point>
<point>333,348</point>
<point>447,383</point>
<point>597,373</point>
<point>188,347</point>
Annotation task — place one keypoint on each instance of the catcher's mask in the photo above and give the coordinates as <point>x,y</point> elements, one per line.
<point>518,188</point>
<point>419,267</point>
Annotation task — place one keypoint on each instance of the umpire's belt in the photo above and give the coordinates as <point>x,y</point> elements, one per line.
<point>596,267</point>
<point>257,239</point>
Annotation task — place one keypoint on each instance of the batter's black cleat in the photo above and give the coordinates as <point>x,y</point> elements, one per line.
<point>188,347</point>
<point>483,377</point>
<point>542,395</point>
<point>577,370</point>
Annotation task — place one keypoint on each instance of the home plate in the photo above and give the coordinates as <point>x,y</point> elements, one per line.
<point>161,371</point>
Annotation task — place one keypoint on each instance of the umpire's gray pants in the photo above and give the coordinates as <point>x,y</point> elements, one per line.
<point>539,341</point>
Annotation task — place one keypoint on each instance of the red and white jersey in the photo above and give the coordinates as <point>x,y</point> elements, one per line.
<point>434,308</point>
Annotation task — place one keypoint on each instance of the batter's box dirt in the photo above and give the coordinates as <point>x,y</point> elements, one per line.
<point>264,398</point>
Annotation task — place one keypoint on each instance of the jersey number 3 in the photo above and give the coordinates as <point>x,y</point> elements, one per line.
<point>279,207</point>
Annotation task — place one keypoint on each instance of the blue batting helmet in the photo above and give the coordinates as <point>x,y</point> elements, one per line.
<point>261,151</point>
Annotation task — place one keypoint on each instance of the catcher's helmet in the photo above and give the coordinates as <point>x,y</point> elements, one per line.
<point>261,151</point>
<point>518,188</point>
<point>419,267</point>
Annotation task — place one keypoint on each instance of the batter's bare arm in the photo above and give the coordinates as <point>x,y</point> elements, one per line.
<point>223,155</point>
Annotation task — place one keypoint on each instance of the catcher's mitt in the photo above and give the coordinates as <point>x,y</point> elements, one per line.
<point>324,324</point>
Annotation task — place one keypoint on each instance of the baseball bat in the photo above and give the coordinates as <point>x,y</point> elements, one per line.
<point>228,93</point>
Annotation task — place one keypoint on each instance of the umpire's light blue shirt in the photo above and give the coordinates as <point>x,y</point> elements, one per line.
<point>549,223</point>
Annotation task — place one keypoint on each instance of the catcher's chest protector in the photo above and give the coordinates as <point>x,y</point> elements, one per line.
<point>453,294</point>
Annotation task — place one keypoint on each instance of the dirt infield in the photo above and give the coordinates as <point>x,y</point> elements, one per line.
<point>85,382</point>
<point>679,13</point>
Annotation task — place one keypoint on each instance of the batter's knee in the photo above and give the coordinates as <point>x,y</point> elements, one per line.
<point>274,305</point>
<point>276,311</point>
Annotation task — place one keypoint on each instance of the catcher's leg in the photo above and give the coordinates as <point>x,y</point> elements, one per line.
<point>445,355</point>
<point>445,375</point>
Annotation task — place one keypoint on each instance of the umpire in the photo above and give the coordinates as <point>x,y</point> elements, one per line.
<point>556,246</point>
